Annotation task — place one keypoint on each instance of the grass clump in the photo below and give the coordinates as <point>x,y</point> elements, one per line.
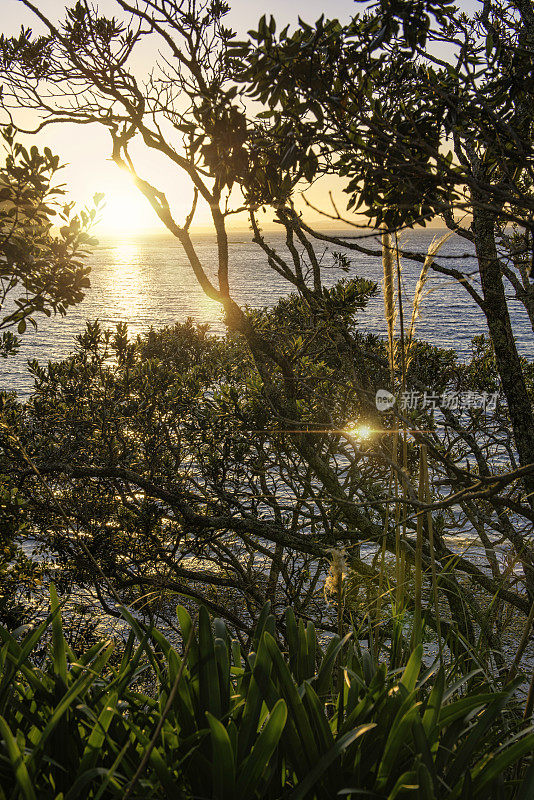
<point>223,721</point>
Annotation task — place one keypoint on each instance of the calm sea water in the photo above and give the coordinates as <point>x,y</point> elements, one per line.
<point>146,281</point>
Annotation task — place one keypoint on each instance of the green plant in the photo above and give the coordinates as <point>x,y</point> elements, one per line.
<point>41,272</point>
<point>258,724</point>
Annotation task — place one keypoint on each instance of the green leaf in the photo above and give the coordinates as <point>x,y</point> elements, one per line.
<point>302,654</point>
<point>98,734</point>
<point>406,782</point>
<point>209,692</point>
<point>460,708</point>
<point>258,760</point>
<point>222,657</point>
<point>399,736</point>
<point>254,699</point>
<point>223,764</point>
<point>17,762</point>
<point>59,656</point>
<point>78,688</point>
<point>426,786</point>
<point>323,731</point>
<point>423,748</point>
<point>489,769</point>
<point>292,639</point>
<point>299,717</point>
<point>323,682</point>
<point>186,624</point>
<point>184,704</point>
<point>413,667</point>
<point>260,625</point>
<point>475,738</point>
<point>433,706</point>
<point>141,633</point>
<point>236,653</point>
<point>311,637</point>
<point>327,759</point>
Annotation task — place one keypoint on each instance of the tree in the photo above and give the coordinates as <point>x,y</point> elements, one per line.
<point>417,135</point>
<point>182,481</point>
<point>40,272</point>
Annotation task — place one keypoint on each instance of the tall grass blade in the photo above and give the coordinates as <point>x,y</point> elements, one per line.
<point>260,756</point>
<point>433,249</point>
<point>58,640</point>
<point>327,759</point>
<point>17,762</point>
<point>223,766</point>
<point>389,297</point>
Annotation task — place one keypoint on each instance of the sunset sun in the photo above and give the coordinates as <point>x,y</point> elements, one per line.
<point>126,210</point>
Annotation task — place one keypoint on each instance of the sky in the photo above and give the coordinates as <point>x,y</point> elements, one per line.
<point>85,150</point>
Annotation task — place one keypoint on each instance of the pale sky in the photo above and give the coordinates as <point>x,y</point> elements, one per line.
<point>85,149</point>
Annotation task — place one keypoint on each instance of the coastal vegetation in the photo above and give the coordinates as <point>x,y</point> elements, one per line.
<point>222,721</point>
<point>368,560</point>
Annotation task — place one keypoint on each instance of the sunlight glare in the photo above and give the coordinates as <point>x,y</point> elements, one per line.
<point>359,431</point>
<point>126,210</point>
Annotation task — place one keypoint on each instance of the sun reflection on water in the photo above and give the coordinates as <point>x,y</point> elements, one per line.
<point>146,287</point>
<point>128,282</point>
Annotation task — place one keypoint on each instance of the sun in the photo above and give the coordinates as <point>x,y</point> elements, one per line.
<point>126,211</point>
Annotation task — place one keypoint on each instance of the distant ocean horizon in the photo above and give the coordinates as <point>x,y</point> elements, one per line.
<point>146,281</point>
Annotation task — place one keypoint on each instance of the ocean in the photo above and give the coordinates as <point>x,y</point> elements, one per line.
<point>146,282</point>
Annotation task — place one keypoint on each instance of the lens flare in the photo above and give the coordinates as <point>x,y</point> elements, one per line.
<point>359,431</point>
<point>363,431</point>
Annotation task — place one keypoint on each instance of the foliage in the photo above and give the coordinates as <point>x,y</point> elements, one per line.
<point>164,455</point>
<point>415,136</point>
<point>256,722</point>
<point>405,127</point>
<point>18,576</point>
<point>412,136</point>
<point>228,482</point>
<point>41,272</point>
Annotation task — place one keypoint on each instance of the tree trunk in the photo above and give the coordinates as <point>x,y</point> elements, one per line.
<point>500,329</point>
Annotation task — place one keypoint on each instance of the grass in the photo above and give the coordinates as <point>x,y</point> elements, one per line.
<point>220,722</point>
